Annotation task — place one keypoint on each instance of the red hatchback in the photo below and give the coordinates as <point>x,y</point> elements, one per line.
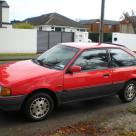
<point>66,73</point>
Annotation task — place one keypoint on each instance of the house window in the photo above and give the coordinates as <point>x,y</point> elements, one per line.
<point>52,28</point>
<point>82,30</point>
<point>63,29</point>
<point>58,29</point>
<point>40,28</point>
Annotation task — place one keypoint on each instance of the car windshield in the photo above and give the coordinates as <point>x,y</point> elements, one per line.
<point>57,57</point>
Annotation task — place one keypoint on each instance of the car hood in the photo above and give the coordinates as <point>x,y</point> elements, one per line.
<point>18,71</point>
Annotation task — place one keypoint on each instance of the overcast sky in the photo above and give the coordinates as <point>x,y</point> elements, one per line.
<point>75,9</point>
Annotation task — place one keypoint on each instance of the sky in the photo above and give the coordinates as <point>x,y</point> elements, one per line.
<point>74,9</point>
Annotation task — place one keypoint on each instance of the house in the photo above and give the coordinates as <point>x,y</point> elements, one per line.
<point>93,25</point>
<point>4,15</point>
<point>128,25</point>
<point>55,22</point>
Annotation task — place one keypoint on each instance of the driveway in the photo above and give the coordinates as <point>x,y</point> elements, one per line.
<point>106,110</point>
<point>14,124</point>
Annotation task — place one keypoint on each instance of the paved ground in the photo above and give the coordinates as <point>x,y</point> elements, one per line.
<point>109,112</point>
<point>14,124</point>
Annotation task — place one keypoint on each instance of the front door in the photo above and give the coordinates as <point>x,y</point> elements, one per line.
<point>94,80</point>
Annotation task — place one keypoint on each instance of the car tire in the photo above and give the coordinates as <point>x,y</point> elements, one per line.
<point>38,106</point>
<point>128,94</point>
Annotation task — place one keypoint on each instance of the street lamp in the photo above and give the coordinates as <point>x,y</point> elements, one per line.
<point>102,22</point>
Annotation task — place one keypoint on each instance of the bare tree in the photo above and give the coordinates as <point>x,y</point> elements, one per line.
<point>131,18</point>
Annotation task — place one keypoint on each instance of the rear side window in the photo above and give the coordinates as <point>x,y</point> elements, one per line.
<point>93,59</point>
<point>120,58</point>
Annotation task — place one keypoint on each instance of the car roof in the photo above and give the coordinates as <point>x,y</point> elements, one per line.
<point>91,45</point>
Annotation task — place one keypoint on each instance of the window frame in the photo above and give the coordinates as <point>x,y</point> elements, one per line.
<point>108,57</point>
<point>110,63</point>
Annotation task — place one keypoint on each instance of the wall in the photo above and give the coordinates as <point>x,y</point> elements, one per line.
<point>5,15</point>
<point>126,28</point>
<point>129,40</point>
<point>49,28</point>
<point>81,37</point>
<point>18,41</point>
<point>7,26</point>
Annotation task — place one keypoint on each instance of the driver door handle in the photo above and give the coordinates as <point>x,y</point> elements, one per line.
<point>106,75</point>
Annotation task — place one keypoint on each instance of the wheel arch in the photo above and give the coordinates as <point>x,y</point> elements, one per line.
<point>43,90</point>
<point>133,79</point>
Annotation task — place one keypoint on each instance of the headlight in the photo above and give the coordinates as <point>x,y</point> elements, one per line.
<point>4,91</point>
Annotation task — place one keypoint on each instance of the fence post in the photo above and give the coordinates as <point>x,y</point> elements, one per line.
<point>48,40</point>
<point>61,37</point>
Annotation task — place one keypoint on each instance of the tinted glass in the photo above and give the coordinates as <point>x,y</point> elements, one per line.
<point>121,58</point>
<point>92,59</point>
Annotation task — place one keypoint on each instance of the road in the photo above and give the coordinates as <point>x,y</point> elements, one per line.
<point>15,124</point>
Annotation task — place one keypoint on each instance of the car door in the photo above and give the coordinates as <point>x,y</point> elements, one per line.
<point>94,80</point>
<point>123,64</point>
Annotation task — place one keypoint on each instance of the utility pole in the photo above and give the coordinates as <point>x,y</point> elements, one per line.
<point>101,31</point>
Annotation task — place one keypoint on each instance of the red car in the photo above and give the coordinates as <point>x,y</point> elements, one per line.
<point>68,72</point>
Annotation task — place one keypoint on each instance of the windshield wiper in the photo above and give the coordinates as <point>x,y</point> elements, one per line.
<point>39,62</point>
<point>49,64</point>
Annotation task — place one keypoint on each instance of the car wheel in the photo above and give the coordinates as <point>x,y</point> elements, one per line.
<point>38,106</point>
<point>128,94</point>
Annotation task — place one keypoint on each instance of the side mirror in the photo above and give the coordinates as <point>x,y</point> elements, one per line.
<point>74,69</point>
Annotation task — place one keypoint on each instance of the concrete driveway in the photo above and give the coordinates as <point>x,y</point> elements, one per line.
<point>14,124</point>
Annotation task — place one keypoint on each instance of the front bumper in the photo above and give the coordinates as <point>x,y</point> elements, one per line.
<point>11,103</point>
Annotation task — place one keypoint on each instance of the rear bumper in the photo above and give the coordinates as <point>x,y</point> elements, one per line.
<point>11,103</point>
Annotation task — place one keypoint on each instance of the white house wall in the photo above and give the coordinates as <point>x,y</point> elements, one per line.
<point>18,41</point>
<point>5,15</point>
<point>129,40</point>
<point>7,26</point>
<point>49,28</point>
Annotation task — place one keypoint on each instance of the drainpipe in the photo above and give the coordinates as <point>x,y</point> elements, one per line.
<point>101,30</point>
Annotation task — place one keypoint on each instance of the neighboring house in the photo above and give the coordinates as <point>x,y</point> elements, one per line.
<point>94,25</point>
<point>4,15</point>
<point>128,25</point>
<point>55,22</point>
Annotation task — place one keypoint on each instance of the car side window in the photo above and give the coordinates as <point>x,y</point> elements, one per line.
<point>92,59</point>
<point>120,58</point>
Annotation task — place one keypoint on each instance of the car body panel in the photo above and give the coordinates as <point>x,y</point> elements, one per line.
<point>86,80</point>
<point>25,76</point>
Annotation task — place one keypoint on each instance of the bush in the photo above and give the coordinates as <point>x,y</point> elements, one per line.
<point>95,37</point>
<point>23,26</point>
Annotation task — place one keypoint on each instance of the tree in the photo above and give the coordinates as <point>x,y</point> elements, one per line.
<point>23,26</point>
<point>131,18</point>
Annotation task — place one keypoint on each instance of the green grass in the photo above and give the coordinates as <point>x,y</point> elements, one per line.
<point>16,54</point>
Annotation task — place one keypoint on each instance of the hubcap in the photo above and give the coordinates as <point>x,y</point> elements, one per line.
<point>39,107</point>
<point>130,91</point>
